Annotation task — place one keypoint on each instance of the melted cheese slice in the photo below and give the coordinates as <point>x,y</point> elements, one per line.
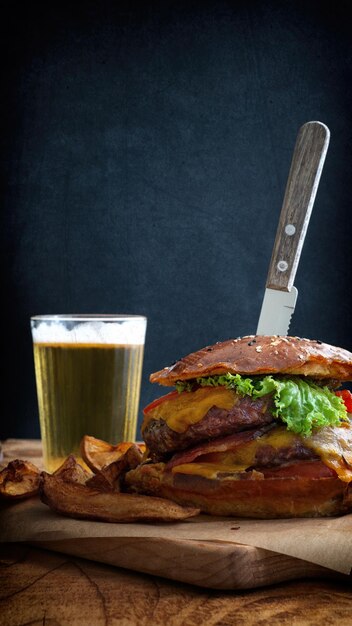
<point>239,459</point>
<point>208,470</point>
<point>189,408</point>
<point>332,445</point>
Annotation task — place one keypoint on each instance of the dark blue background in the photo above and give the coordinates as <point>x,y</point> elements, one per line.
<point>146,150</point>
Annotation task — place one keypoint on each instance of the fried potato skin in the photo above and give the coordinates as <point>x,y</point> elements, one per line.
<point>19,480</point>
<point>72,471</point>
<point>98,453</point>
<point>111,477</point>
<point>84,502</point>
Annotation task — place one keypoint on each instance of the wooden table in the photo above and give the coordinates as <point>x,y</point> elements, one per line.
<point>42,587</point>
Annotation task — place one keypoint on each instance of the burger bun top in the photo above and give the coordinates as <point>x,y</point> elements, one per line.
<point>261,355</point>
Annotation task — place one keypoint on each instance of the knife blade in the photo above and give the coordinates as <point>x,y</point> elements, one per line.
<point>280,295</point>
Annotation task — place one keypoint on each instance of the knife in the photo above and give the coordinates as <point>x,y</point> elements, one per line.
<point>307,163</point>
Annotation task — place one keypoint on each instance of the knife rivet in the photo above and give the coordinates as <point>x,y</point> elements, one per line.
<point>290,229</point>
<point>282,266</point>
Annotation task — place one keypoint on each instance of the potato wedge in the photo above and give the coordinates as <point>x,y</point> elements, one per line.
<point>19,479</point>
<point>97,453</point>
<point>110,477</point>
<point>83,502</point>
<point>72,471</point>
<point>105,480</point>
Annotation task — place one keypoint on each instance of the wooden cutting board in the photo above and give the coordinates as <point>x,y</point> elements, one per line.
<point>205,564</point>
<point>197,552</point>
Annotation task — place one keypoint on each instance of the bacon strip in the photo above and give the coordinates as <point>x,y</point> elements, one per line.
<point>222,444</point>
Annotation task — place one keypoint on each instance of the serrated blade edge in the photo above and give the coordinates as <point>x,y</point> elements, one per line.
<point>276,312</point>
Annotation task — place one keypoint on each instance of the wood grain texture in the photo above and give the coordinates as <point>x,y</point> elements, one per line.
<point>204,563</point>
<point>213,565</point>
<point>39,587</point>
<point>25,449</point>
<point>306,167</point>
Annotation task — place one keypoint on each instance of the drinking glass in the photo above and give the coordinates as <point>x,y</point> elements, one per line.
<point>88,376</point>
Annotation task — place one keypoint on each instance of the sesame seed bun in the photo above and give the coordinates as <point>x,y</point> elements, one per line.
<point>260,355</point>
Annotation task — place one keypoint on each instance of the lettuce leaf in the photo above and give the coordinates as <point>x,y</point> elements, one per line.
<point>302,404</point>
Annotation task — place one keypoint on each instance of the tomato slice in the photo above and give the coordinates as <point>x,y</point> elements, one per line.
<point>302,469</point>
<point>346,396</point>
<point>158,401</point>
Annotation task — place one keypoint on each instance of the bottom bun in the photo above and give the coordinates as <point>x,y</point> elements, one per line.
<point>253,496</point>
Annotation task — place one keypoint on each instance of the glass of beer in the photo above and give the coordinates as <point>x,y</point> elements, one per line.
<point>88,375</point>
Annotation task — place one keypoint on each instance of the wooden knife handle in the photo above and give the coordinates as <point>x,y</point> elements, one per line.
<point>303,180</point>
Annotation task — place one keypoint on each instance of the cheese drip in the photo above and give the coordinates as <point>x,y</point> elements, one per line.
<point>189,408</point>
<point>333,445</point>
<point>239,459</point>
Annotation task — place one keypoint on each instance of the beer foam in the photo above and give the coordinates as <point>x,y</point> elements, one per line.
<point>130,332</point>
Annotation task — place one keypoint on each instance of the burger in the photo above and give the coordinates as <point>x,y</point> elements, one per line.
<point>257,426</point>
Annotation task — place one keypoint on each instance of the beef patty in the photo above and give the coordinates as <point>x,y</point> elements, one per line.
<point>247,413</point>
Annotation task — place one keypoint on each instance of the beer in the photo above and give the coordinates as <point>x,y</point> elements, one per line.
<point>86,388</point>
